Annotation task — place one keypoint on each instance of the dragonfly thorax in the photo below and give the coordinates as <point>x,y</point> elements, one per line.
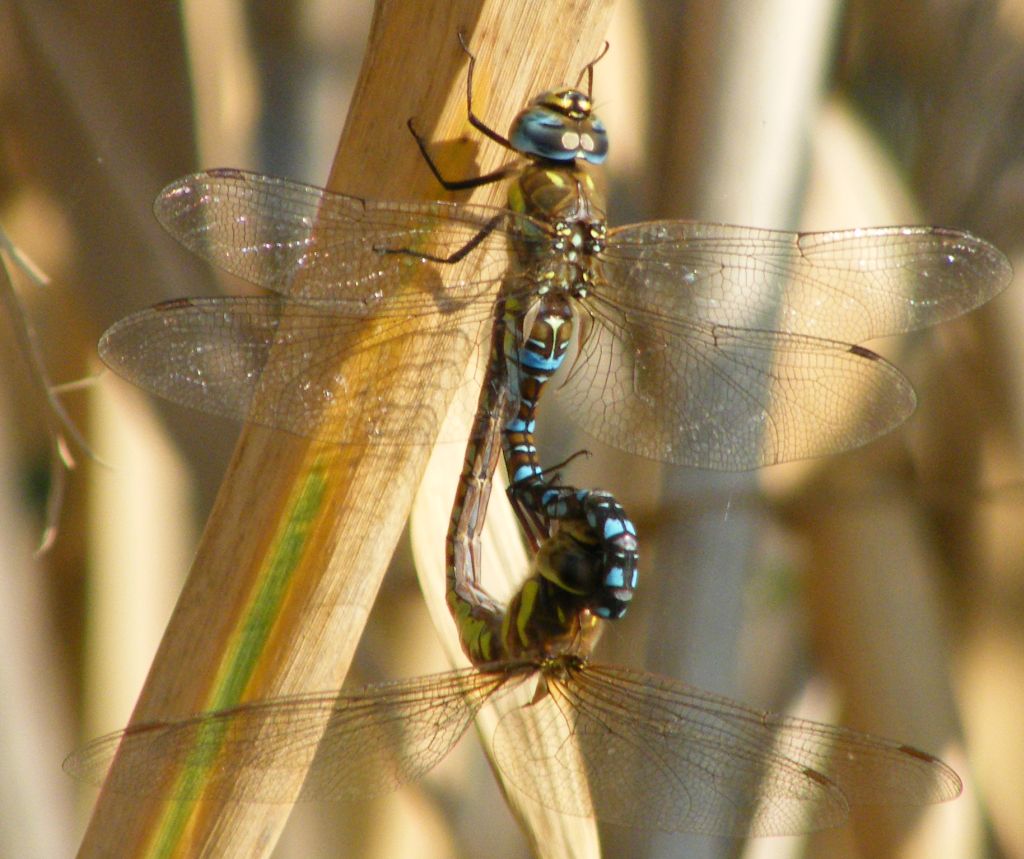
<point>559,126</point>
<point>561,245</point>
<point>567,264</point>
<point>545,621</point>
<point>580,237</point>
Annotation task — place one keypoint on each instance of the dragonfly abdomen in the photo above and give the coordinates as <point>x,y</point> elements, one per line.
<point>532,357</point>
<point>597,522</point>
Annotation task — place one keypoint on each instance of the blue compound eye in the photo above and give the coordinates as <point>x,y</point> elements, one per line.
<point>559,126</point>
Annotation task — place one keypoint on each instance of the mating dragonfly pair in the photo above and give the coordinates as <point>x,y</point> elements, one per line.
<point>699,344</point>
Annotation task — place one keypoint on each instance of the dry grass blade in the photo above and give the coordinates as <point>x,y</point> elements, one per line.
<point>550,834</point>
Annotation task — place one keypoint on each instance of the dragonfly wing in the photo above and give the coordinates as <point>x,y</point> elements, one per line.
<point>285,364</point>
<point>396,733</point>
<point>350,746</point>
<point>730,399</point>
<point>656,753</point>
<point>303,241</point>
<point>849,285</point>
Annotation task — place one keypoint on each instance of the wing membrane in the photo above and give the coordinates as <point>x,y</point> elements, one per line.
<point>350,746</point>
<point>849,285</point>
<point>712,396</point>
<point>714,346</point>
<point>656,753</point>
<point>298,367</point>
<point>307,242</point>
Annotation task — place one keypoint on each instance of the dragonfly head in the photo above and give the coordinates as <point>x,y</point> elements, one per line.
<point>560,126</point>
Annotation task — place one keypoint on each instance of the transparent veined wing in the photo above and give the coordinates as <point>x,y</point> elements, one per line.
<point>360,295</point>
<point>349,745</point>
<point>729,347</point>
<point>306,242</point>
<point>658,754</point>
<point>847,285</point>
<point>629,748</point>
<point>714,346</point>
<point>730,399</point>
<point>287,364</point>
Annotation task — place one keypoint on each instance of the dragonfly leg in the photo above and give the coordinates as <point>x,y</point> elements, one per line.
<point>458,184</point>
<point>474,120</point>
<point>454,257</point>
<point>479,125</point>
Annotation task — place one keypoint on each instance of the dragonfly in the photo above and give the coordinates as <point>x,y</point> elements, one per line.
<point>707,345</point>
<point>622,745</point>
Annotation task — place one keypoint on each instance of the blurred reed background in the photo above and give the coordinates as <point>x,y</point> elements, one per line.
<point>881,589</point>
